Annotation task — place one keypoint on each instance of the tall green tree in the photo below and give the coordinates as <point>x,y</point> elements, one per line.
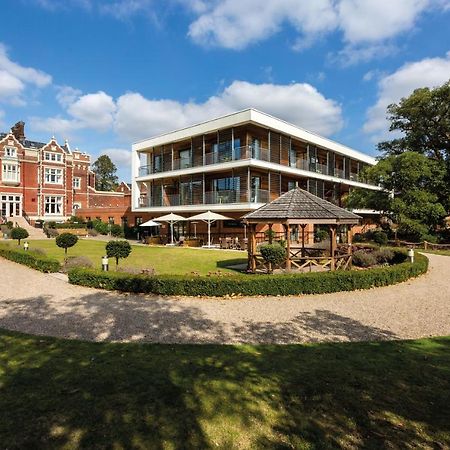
<point>423,121</point>
<point>105,174</point>
<point>410,183</point>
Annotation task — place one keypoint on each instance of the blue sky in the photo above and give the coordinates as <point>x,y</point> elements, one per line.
<point>104,74</point>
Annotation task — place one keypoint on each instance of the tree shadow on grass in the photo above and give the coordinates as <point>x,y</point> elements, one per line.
<point>57,393</point>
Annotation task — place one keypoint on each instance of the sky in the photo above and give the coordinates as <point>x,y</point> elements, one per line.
<point>106,73</point>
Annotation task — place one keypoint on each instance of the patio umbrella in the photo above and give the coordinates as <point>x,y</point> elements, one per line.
<point>209,217</point>
<point>171,219</point>
<point>150,223</point>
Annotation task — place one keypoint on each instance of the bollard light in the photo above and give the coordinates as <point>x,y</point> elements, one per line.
<point>411,255</point>
<point>105,263</point>
<point>26,245</point>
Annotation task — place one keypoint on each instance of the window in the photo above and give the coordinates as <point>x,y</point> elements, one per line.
<point>11,152</point>
<point>76,182</point>
<point>53,205</point>
<point>55,157</point>
<point>185,158</point>
<point>53,176</point>
<point>137,221</point>
<point>10,172</point>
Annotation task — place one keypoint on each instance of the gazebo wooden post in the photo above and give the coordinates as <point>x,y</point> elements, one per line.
<point>350,238</point>
<point>303,239</point>
<point>332,246</point>
<point>270,233</point>
<point>288,247</point>
<point>253,247</point>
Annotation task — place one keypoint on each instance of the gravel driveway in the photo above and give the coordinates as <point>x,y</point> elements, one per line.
<point>41,304</point>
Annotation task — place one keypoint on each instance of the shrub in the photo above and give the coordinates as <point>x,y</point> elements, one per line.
<point>380,237</point>
<point>321,235</point>
<point>30,259</point>
<point>92,232</point>
<point>412,230</point>
<point>117,230</point>
<point>358,237</point>
<point>73,226</point>
<point>77,261</point>
<point>38,251</point>
<point>383,256</point>
<point>100,227</point>
<point>362,258</point>
<point>9,224</point>
<point>118,249</point>
<point>50,224</point>
<point>66,240</point>
<point>273,254</point>
<point>286,284</point>
<point>19,234</point>
<point>52,232</point>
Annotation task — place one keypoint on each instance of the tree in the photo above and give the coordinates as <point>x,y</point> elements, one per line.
<point>19,234</point>
<point>118,249</point>
<point>423,119</point>
<point>105,174</point>
<point>65,241</point>
<point>410,183</point>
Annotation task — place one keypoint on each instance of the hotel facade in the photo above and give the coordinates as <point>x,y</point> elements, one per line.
<point>235,164</point>
<point>51,182</point>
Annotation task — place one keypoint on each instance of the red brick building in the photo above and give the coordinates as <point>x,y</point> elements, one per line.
<point>49,181</point>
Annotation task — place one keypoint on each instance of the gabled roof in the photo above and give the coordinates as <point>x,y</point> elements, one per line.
<point>301,207</point>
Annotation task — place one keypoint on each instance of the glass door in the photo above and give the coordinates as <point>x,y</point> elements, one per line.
<point>256,187</point>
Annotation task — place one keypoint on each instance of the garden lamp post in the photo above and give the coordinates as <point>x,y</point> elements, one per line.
<point>105,264</point>
<point>26,245</point>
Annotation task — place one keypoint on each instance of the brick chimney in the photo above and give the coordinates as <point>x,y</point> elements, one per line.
<point>18,130</point>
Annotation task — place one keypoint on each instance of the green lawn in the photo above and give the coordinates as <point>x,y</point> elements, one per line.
<point>437,252</point>
<point>165,260</point>
<point>79,395</point>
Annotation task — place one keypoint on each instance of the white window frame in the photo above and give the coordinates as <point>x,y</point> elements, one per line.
<point>76,182</point>
<point>53,205</point>
<point>53,157</point>
<point>53,175</point>
<point>12,152</point>
<point>10,172</point>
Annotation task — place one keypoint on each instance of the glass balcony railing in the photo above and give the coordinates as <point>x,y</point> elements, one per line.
<point>210,198</point>
<point>239,154</point>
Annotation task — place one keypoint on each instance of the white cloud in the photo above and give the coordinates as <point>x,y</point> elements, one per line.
<point>14,79</point>
<point>300,104</point>
<point>94,111</point>
<point>367,27</point>
<point>429,72</point>
<point>119,156</point>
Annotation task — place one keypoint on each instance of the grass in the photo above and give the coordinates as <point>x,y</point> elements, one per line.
<point>79,395</point>
<point>165,260</point>
<point>437,252</point>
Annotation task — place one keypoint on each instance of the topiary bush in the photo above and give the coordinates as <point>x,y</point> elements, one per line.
<point>273,254</point>
<point>286,284</point>
<point>65,241</point>
<point>118,250</point>
<point>100,227</point>
<point>19,234</point>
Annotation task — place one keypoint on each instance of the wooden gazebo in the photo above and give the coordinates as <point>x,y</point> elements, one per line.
<point>299,207</point>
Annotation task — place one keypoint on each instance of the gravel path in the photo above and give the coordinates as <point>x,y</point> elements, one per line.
<point>46,305</point>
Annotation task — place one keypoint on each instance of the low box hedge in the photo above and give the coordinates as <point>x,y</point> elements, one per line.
<point>287,284</point>
<point>30,259</point>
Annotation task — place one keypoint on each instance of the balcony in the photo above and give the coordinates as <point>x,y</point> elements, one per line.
<point>245,153</point>
<point>225,197</point>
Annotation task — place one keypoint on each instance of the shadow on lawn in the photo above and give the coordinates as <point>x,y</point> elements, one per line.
<point>70,394</point>
<point>56,393</point>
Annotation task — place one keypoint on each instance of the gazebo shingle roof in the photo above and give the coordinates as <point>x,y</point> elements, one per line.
<point>300,206</point>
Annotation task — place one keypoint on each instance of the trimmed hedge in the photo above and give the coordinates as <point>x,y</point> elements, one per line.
<point>30,259</point>
<point>288,284</point>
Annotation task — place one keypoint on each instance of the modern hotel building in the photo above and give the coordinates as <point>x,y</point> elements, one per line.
<point>236,163</point>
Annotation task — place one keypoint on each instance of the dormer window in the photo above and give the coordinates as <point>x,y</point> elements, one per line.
<point>11,152</point>
<point>53,157</point>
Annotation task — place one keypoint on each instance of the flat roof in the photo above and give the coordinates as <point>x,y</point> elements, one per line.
<point>251,115</point>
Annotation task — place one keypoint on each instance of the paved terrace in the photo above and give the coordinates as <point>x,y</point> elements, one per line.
<point>42,304</point>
